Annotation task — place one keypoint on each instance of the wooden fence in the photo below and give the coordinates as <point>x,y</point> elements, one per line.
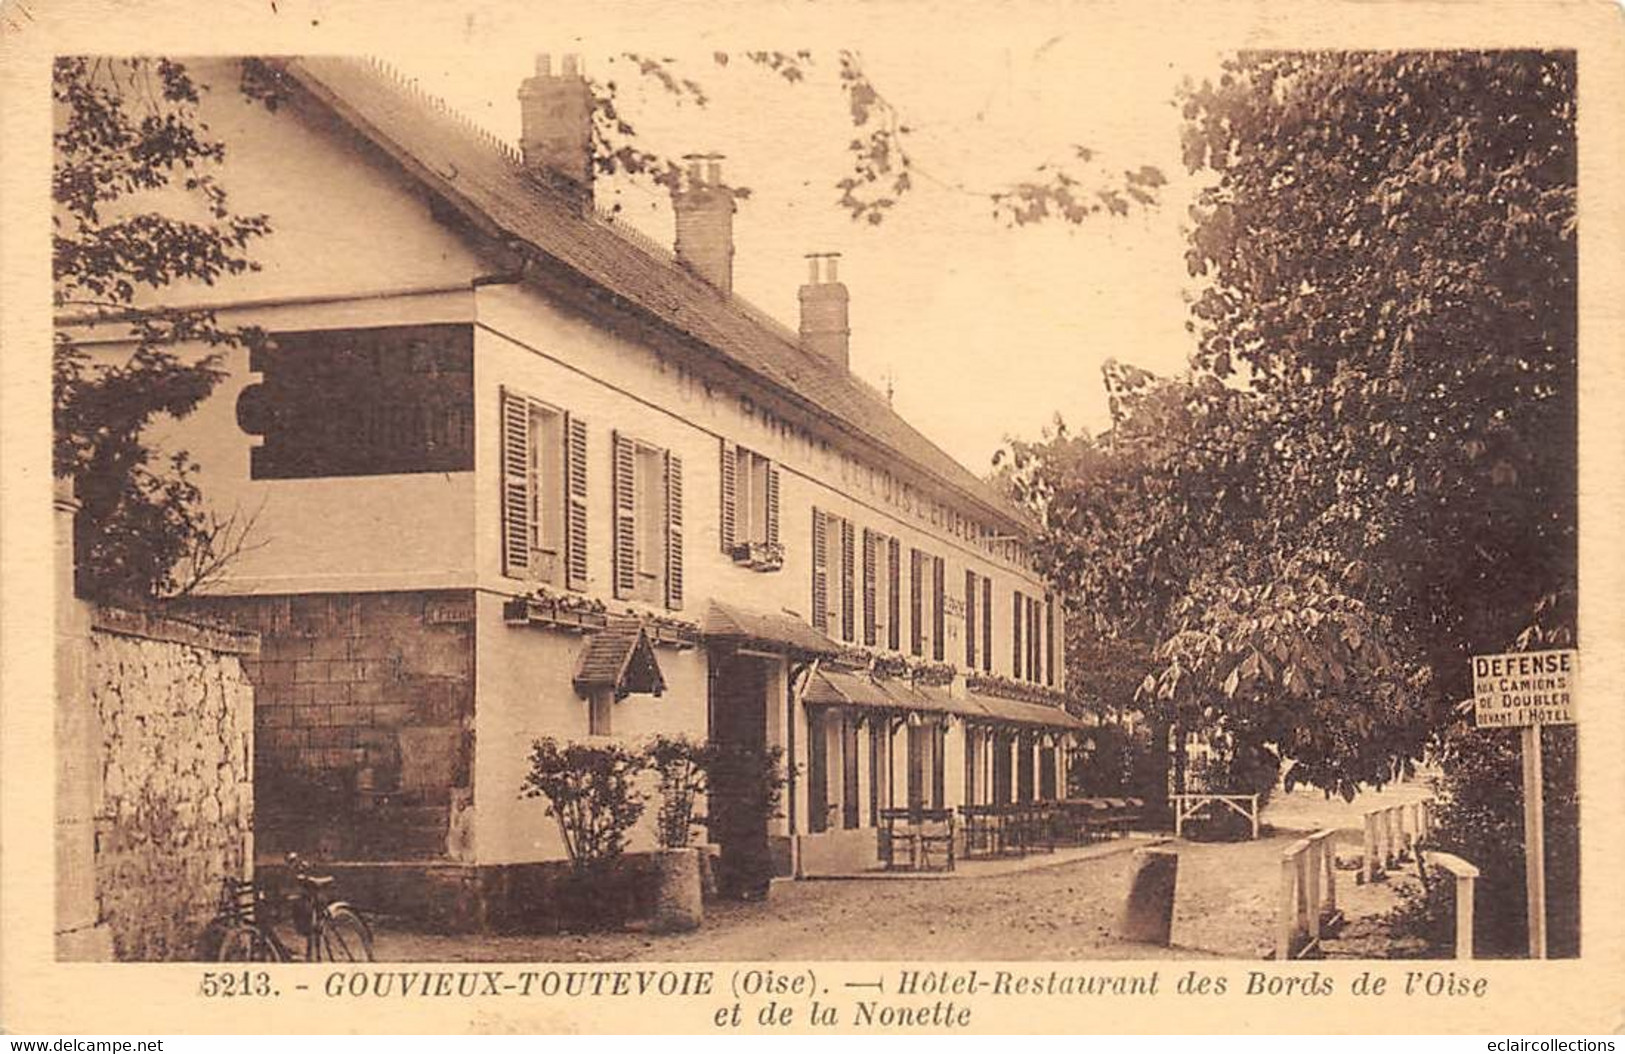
<point>1392,834</point>
<point>1308,894</point>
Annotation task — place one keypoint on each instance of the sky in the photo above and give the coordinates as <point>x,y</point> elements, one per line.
<point>980,330</point>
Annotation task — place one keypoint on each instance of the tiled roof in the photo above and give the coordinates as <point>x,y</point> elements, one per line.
<point>619,657</point>
<point>485,175</point>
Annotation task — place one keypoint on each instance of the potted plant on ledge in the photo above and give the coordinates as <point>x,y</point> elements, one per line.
<point>680,764</point>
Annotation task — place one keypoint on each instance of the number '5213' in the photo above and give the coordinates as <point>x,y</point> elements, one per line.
<point>221,984</point>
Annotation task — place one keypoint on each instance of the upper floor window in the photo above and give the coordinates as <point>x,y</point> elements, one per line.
<point>544,492</point>
<point>648,527</point>
<point>834,599</point>
<point>750,508</point>
<point>882,591</point>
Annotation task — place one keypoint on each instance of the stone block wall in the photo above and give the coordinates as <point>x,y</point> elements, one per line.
<point>173,805</point>
<point>364,723</point>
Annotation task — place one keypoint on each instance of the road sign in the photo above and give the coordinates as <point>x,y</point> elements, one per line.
<point>1525,690</point>
<point>1517,689</point>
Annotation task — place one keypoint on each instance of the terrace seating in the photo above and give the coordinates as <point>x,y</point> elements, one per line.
<point>918,840</point>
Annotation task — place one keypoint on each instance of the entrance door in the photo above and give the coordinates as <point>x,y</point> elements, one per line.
<point>739,785</point>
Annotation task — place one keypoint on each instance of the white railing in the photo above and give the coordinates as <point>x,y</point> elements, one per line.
<point>1392,834</point>
<point>1308,893</point>
<point>1465,875</point>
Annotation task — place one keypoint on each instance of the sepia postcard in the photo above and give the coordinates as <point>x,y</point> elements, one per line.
<point>888,518</point>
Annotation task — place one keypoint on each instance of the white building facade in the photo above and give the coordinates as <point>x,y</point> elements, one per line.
<point>494,431</point>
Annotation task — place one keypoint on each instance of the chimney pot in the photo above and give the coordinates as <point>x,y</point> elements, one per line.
<point>555,138</point>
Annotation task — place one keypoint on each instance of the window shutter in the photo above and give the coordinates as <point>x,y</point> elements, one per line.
<point>870,545</point>
<point>970,619</point>
<point>939,583</point>
<point>730,496</point>
<point>575,502</point>
<point>626,520</point>
<point>1018,615</point>
<point>516,526</point>
<point>848,606</point>
<point>772,504</point>
<point>987,625</point>
<point>1049,640</point>
<point>916,620</point>
<point>1032,639</point>
<point>820,573</point>
<point>894,594</point>
<point>674,531</point>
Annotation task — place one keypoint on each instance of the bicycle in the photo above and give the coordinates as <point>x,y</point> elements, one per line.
<point>334,931</point>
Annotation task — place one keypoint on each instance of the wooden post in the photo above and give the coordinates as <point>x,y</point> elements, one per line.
<point>1370,847</point>
<point>1179,815</point>
<point>1310,868</point>
<point>1534,840</point>
<point>1253,801</point>
<point>1464,917</point>
<point>1287,916</point>
<point>1328,869</point>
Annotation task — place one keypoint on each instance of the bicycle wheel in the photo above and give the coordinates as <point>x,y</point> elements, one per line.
<point>243,943</point>
<point>344,937</point>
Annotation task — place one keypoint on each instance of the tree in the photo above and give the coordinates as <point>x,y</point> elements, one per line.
<point>884,165</point>
<point>1369,473</point>
<point>126,130</point>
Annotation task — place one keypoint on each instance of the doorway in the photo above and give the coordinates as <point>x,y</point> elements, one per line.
<point>743,778</point>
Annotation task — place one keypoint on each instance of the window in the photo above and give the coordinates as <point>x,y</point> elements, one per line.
<point>1049,640</point>
<point>972,600</point>
<point>544,492</point>
<point>599,709</point>
<point>916,602</point>
<point>818,804</point>
<point>1024,768</point>
<point>546,471</point>
<point>834,603</point>
<point>750,508</point>
<point>987,625</point>
<point>1018,615</point>
<point>648,523</point>
<point>939,615</point>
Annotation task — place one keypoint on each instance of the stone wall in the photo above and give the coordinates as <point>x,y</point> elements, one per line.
<point>363,723</point>
<point>173,805</point>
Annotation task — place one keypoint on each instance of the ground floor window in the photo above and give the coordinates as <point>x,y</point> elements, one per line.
<point>817,773</point>
<point>1024,769</point>
<point>1046,774</point>
<point>1002,746</point>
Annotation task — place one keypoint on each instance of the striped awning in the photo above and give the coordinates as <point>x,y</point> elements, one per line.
<point>857,688</point>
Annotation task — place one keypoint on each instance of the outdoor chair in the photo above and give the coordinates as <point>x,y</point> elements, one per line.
<point>981,828</point>
<point>934,839</point>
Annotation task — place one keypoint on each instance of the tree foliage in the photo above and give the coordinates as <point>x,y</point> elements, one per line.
<point>128,131</point>
<point>884,164</point>
<point>1369,473</point>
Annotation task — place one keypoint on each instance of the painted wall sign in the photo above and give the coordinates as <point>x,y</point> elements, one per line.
<point>362,402</point>
<point>1525,688</point>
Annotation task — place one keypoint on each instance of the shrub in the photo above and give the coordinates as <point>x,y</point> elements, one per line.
<point>592,792</point>
<point>682,767</point>
<point>1478,816</point>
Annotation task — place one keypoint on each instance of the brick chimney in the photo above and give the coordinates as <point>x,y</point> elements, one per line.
<point>705,221</point>
<point>824,327</point>
<point>555,122</point>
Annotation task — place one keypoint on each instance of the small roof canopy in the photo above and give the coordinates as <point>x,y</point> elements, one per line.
<point>776,632</point>
<point>856,688</point>
<point>620,658</point>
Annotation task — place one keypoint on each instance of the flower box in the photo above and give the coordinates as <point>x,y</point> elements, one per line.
<point>759,556</point>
